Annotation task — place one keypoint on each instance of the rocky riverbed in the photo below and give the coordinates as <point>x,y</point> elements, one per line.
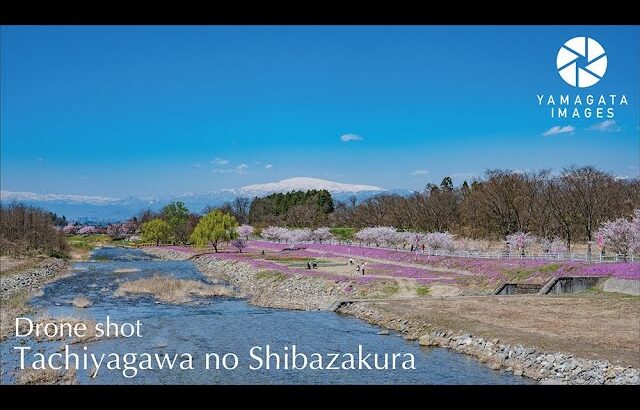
<point>32,279</point>
<point>307,293</point>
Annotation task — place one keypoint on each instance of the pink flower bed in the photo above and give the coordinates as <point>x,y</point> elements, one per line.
<point>495,269</point>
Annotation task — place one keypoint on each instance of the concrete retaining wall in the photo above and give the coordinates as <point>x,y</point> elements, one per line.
<point>627,286</point>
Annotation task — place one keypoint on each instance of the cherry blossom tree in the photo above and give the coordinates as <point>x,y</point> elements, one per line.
<point>520,241</point>
<point>621,235</point>
<point>440,240</point>
<point>553,245</point>
<point>69,229</point>
<point>299,235</point>
<point>378,235</point>
<point>245,231</point>
<point>239,243</point>
<point>322,234</point>
<point>275,233</point>
<point>86,230</point>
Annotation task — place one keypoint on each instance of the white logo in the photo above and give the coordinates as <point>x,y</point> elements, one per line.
<point>581,62</point>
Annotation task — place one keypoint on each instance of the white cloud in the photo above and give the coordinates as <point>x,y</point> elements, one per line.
<point>350,137</point>
<point>606,126</point>
<point>557,130</point>
<point>420,172</point>
<point>219,161</point>
<point>240,170</point>
<point>269,166</point>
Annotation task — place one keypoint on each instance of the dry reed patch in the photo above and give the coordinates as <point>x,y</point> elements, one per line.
<point>31,376</point>
<point>171,290</point>
<point>81,302</point>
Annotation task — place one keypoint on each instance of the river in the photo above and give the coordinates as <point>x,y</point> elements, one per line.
<point>225,325</point>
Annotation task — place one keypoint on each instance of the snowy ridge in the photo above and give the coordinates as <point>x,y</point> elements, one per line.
<point>32,196</point>
<point>305,184</point>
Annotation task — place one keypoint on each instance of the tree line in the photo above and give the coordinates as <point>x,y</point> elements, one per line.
<point>569,206</point>
<point>26,231</point>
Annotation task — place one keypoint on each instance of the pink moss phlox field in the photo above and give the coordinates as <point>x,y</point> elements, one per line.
<point>495,269</point>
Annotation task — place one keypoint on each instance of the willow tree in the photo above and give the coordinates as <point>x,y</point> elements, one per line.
<point>214,228</point>
<point>156,230</point>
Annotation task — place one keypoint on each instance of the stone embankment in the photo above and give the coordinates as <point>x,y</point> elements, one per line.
<point>32,279</point>
<point>545,367</point>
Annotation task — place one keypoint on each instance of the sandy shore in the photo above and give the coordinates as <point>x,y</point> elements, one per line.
<point>590,339</point>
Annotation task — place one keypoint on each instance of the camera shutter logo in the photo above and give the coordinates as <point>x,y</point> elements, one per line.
<point>581,62</point>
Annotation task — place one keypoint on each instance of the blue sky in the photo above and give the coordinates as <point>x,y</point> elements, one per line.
<point>146,111</point>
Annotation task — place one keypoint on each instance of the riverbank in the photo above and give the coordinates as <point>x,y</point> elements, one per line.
<point>550,359</point>
<point>17,287</point>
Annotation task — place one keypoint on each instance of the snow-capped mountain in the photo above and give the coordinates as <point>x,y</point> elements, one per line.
<point>85,208</point>
<point>31,196</point>
<point>305,184</point>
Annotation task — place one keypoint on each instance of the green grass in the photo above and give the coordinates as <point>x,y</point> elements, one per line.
<point>272,275</point>
<point>87,242</point>
<point>422,290</point>
<point>343,234</point>
<point>518,274</point>
<point>550,268</point>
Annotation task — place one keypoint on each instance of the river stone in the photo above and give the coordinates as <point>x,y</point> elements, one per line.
<point>552,381</point>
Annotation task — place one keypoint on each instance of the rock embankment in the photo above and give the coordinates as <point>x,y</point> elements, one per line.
<point>547,368</point>
<point>33,278</point>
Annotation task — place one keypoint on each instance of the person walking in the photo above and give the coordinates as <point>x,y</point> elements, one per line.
<point>350,261</point>
<point>364,265</point>
<point>358,268</point>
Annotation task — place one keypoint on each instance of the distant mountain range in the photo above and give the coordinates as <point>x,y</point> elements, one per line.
<point>101,209</point>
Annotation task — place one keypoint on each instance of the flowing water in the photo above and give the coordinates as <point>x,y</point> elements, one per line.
<point>223,325</point>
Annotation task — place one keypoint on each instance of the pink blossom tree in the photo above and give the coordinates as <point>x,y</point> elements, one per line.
<point>553,245</point>
<point>440,241</point>
<point>245,231</point>
<point>520,241</point>
<point>239,243</point>
<point>378,235</point>
<point>322,234</point>
<point>621,235</point>
<point>69,229</point>
<point>86,230</point>
<point>275,233</point>
<point>299,235</point>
